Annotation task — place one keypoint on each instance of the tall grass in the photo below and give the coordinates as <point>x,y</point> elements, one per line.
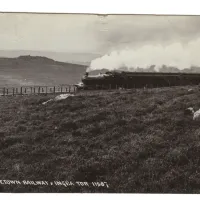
<point>137,141</point>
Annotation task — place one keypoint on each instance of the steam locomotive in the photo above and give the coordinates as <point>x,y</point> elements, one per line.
<point>114,79</point>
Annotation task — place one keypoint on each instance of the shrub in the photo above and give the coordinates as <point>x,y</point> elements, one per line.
<point>21,128</point>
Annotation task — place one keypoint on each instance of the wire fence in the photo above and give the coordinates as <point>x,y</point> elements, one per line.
<point>36,90</point>
<point>27,90</point>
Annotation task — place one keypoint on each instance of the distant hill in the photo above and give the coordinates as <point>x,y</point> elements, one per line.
<point>69,57</point>
<point>38,70</point>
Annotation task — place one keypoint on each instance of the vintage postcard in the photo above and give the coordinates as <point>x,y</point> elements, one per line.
<point>99,103</point>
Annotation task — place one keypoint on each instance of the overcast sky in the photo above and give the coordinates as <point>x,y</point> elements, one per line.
<point>95,34</point>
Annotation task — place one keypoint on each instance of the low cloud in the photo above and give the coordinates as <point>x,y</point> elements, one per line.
<point>174,55</point>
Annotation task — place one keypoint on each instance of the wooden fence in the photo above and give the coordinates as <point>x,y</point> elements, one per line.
<point>27,90</point>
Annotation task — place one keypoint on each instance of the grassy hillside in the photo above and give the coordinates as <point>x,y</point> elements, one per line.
<point>36,70</point>
<point>136,141</point>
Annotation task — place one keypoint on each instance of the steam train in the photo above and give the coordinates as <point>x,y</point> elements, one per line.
<point>114,79</point>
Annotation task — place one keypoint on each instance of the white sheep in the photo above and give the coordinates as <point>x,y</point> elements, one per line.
<point>196,114</point>
<point>188,111</point>
<point>47,101</point>
<point>62,96</point>
<point>58,98</point>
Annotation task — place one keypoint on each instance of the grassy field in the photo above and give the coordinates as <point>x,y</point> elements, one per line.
<point>136,141</point>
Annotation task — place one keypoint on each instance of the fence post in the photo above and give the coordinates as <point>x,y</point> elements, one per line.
<point>54,89</point>
<point>16,90</point>
<point>4,91</point>
<point>46,90</point>
<point>70,89</point>
<point>34,90</point>
<point>21,90</point>
<point>39,90</point>
<point>31,90</point>
<point>7,91</point>
<point>13,91</point>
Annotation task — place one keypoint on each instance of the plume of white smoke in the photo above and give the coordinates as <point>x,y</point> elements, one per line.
<point>174,54</point>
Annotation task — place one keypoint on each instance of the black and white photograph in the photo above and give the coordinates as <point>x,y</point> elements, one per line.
<point>94,103</point>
